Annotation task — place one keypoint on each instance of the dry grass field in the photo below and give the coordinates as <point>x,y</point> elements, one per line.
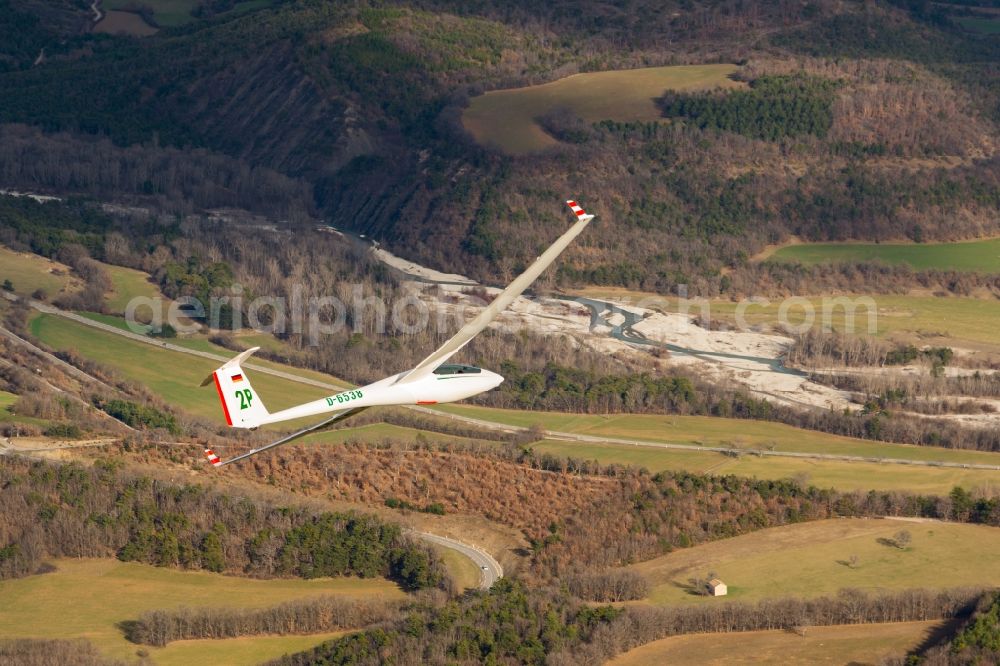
<point>87,598</point>
<point>506,118</point>
<point>814,559</point>
<point>850,644</point>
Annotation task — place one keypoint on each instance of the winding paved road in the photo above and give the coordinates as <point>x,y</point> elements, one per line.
<point>490,570</point>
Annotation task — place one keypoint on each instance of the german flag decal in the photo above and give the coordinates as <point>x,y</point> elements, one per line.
<point>237,378</point>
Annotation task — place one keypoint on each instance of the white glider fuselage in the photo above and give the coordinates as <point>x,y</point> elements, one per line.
<point>449,383</point>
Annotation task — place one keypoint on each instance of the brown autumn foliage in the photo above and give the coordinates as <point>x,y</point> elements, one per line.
<point>510,493</point>
<point>610,585</point>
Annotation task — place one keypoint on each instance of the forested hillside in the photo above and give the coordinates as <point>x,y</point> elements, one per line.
<point>68,510</point>
<point>859,120</point>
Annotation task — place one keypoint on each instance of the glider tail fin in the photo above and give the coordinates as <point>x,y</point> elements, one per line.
<point>241,404</point>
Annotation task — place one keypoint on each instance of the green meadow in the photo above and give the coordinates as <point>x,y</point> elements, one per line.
<point>841,475</point>
<point>981,255</point>
<point>174,377</point>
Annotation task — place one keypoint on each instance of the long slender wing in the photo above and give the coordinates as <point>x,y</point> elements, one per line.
<point>218,462</point>
<point>501,302</point>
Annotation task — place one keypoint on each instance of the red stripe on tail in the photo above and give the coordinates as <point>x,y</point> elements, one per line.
<point>218,388</point>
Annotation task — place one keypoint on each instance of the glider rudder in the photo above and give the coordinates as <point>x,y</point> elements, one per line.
<point>241,405</point>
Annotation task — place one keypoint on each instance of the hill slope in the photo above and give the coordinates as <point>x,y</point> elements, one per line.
<point>864,122</point>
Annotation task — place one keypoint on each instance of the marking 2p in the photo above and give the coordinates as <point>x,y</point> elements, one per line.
<point>246,397</point>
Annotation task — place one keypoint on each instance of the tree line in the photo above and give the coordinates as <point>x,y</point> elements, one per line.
<point>975,641</point>
<point>53,652</point>
<point>312,615</point>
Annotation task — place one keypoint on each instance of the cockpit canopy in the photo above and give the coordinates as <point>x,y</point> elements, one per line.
<point>456,369</point>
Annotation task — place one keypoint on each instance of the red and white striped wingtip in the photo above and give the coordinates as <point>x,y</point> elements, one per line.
<point>576,208</point>
<point>212,458</point>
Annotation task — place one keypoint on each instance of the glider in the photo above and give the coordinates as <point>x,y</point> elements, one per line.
<point>432,381</point>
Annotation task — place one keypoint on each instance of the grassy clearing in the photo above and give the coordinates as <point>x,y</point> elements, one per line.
<point>810,559</point>
<point>966,322</point>
<point>200,343</point>
<point>463,570</point>
<point>749,436</point>
<point>29,272</point>
<point>168,13</point>
<point>981,255</point>
<point>980,24</point>
<point>124,23</point>
<point>506,118</point>
<point>263,340</point>
<point>251,650</point>
<point>8,415</point>
<point>859,643</point>
<point>377,432</point>
<point>114,320</point>
<point>821,473</point>
<point>128,284</point>
<point>87,598</point>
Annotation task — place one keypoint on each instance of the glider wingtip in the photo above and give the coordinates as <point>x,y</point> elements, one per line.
<point>578,210</point>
